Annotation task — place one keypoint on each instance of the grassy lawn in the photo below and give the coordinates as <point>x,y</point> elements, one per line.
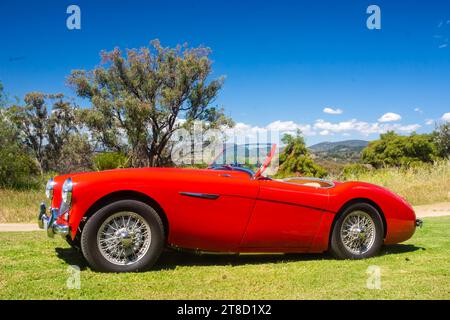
<point>34,267</point>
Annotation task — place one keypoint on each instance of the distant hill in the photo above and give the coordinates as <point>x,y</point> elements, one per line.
<point>328,146</point>
<point>341,151</point>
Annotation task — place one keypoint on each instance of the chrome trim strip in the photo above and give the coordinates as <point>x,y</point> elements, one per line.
<point>200,195</point>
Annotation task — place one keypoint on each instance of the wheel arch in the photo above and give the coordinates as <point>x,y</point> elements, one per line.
<point>124,195</point>
<point>352,202</point>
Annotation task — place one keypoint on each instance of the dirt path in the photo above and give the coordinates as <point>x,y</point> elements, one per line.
<point>14,227</point>
<point>423,211</point>
<point>433,210</point>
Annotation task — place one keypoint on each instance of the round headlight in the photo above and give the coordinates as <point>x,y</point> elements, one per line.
<point>49,188</point>
<point>66,192</point>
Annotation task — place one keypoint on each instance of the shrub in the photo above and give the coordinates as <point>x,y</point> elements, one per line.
<point>355,170</point>
<point>441,137</point>
<point>296,160</point>
<point>75,156</point>
<point>395,150</point>
<point>110,160</point>
<point>17,168</point>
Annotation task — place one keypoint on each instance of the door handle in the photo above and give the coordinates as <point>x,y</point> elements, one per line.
<point>200,195</point>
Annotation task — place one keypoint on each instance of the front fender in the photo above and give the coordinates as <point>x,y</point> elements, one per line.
<point>86,192</point>
<point>398,214</point>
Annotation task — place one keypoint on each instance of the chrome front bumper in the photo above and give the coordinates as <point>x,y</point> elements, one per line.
<point>47,221</point>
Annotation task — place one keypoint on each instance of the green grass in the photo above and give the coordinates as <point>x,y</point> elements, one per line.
<point>424,184</point>
<point>34,267</point>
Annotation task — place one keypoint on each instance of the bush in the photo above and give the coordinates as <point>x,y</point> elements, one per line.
<point>110,160</point>
<point>17,168</point>
<point>441,137</point>
<point>393,150</point>
<point>75,156</point>
<point>295,159</point>
<point>354,170</point>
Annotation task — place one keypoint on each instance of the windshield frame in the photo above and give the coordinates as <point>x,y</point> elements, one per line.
<point>241,167</point>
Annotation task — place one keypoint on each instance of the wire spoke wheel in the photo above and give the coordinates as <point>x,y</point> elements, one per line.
<point>124,238</point>
<point>358,232</point>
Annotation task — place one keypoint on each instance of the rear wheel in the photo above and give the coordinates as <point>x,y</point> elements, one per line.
<point>123,236</point>
<point>357,233</point>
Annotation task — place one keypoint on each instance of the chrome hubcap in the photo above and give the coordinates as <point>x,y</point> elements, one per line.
<point>358,232</point>
<point>124,238</point>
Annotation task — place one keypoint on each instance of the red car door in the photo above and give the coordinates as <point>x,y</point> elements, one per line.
<point>212,211</point>
<point>286,217</point>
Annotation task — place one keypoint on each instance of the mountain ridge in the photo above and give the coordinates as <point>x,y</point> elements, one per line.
<point>328,145</point>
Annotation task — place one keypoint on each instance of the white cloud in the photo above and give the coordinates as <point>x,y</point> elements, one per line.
<point>347,128</point>
<point>429,122</point>
<point>408,128</point>
<point>390,117</point>
<point>444,45</point>
<point>446,117</point>
<point>290,126</point>
<point>362,127</point>
<point>335,127</point>
<point>418,110</point>
<point>332,111</point>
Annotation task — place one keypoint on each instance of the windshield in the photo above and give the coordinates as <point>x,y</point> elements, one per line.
<point>251,158</point>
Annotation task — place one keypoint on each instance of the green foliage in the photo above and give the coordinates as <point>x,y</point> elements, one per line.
<point>76,155</point>
<point>17,168</point>
<point>110,160</point>
<point>3,98</point>
<point>295,159</point>
<point>395,150</point>
<point>441,137</point>
<point>354,169</point>
<point>42,130</point>
<point>138,97</point>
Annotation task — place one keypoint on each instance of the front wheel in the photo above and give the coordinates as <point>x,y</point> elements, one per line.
<point>358,232</point>
<point>123,236</point>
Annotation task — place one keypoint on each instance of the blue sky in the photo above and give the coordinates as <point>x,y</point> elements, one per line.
<point>284,61</point>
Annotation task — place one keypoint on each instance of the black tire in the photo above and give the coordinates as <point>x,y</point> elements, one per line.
<point>90,248</point>
<point>337,246</point>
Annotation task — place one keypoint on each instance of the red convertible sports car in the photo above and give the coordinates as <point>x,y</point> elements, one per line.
<point>122,219</point>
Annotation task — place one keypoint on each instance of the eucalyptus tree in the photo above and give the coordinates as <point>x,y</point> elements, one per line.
<point>44,124</point>
<point>142,96</point>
